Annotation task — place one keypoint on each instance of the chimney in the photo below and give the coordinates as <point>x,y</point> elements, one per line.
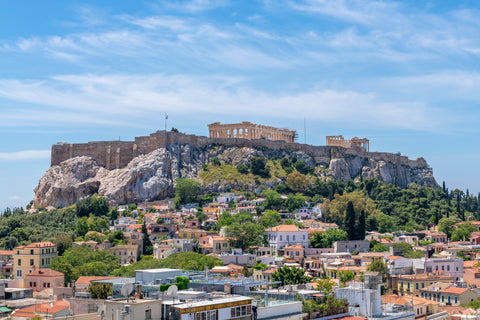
<point>139,292</point>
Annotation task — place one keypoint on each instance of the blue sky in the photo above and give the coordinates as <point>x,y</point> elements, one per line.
<point>404,74</point>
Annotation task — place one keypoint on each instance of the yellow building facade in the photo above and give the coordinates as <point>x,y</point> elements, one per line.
<point>34,256</point>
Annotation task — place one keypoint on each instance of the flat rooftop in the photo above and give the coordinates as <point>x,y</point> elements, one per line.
<point>159,270</point>
<point>202,303</point>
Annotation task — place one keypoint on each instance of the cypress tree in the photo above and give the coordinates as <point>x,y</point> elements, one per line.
<point>350,221</point>
<point>147,243</point>
<point>361,226</point>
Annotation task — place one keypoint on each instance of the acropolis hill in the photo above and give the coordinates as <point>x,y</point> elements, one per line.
<point>147,168</point>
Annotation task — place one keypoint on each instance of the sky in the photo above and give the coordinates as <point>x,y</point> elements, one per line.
<point>404,74</point>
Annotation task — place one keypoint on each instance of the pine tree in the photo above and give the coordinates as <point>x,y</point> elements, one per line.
<point>350,221</point>
<point>147,243</point>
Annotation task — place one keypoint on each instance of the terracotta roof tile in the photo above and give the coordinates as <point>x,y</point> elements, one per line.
<point>455,290</point>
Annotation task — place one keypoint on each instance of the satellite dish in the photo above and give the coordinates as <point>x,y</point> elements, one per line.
<point>127,289</point>
<point>172,290</point>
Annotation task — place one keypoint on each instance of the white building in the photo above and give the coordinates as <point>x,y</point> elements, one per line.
<point>286,234</point>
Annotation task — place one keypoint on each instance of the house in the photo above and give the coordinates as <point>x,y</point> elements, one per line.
<point>475,238</point>
<point>424,309</point>
<point>127,253</point>
<point>294,251</point>
<point>187,233</point>
<point>286,234</point>
<point>42,279</point>
<point>437,236</point>
<point>214,244</point>
<point>455,296</point>
<point>351,246</point>
<point>472,277</point>
<point>55,309</point>
<point>262,275</point>
<point>162,251</point>
<point>450,266</point>
<point>399,265</point>
<point>412,284</point>
<point>304,213</point>
<point>32,257</point>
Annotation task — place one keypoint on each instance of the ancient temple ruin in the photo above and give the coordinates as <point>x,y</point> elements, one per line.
<point>340,141</point>
<point>250,131</point>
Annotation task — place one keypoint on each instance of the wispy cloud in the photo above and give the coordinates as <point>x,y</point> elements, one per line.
<point>118,97</point>
<point>25,155</point>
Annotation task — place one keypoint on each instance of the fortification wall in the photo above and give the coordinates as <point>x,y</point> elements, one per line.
<point>117,154</point>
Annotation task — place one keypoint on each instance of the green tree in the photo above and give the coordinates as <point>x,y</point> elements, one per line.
<point>245,235</point>
<point>385,223</point>
<point>270,218</point>
<point>290,275</point>
<point>325,286</point>
<point>100,290</point>
<point>380,247</point>
<point>297,181</point>
<point>345,276</point>
<point>63,243</point>
<point>147,243</point>
<point>82,226</point>
<point>462,233</point>
<point>327,238</point>
<point>350,221</point>
<point>243,169</point>
<point>186,191</point>
<point>447,225</point>
<point>258,167</point>
<point>360,227</point>
<point>273,199</point>
<point>379,266</point>
<point>294,202</point>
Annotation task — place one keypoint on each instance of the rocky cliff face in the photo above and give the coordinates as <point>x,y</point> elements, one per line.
<point>152,176</point>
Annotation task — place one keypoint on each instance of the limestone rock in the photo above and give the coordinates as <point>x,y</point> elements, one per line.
<point>152,176</point>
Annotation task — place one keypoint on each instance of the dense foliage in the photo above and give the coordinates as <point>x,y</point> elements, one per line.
<point>183,260</point>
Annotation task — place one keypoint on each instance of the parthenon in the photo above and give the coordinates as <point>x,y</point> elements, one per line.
<point>354,142</point>
<point>248,130</point>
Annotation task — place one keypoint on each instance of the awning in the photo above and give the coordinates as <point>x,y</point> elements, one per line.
<point>5,310</point>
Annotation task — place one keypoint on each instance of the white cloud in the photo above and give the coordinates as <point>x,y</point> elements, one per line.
<point>121,97</point>
<point>25,155</point>
<point>12,198</point>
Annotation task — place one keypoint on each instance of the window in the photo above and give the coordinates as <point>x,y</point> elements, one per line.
<point>436,268</point>
<point>297,253</point>
<point>31,284</point>
<point>31,262</point>
<point>281,238</point>
<point>448,268</point>
<point>34,284</point>
<point>288,238</point>
<point>293,237</point>
<point>456,300</point>
<point>416,286</point>
<point>19,273</point>
<point>443,268</point>
<point>31,251</point>
<point>19,262</point>
<point>423,285</point>
<point>303,237</point>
